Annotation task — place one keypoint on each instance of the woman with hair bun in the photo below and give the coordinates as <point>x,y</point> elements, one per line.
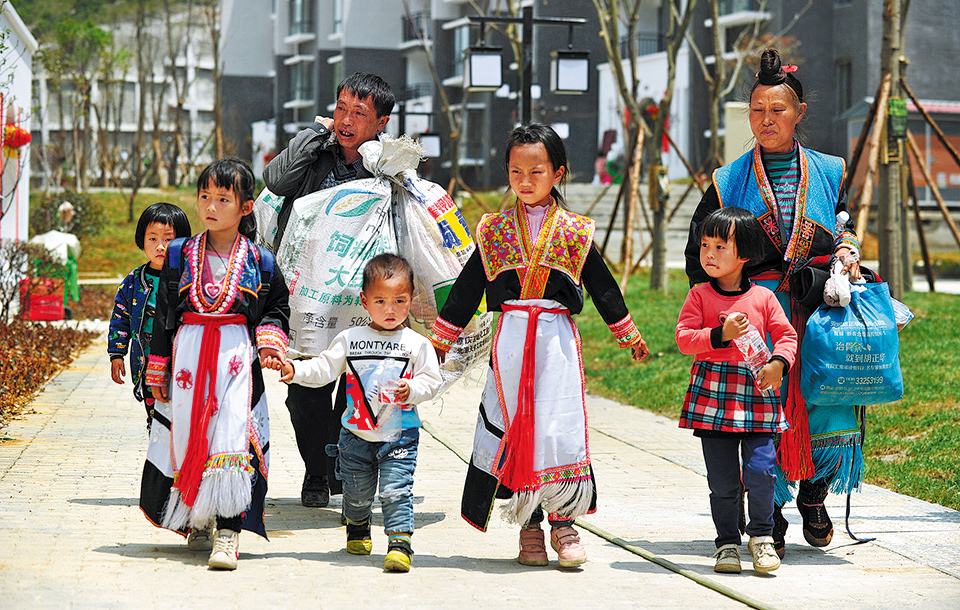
<point>797,195</point>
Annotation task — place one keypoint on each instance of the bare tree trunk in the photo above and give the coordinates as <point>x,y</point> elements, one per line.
<point>213,23</point>
<point>633,194</point>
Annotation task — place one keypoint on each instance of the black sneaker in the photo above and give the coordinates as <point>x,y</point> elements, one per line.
<point>779,532</point>
<point>315,492</point>
<point>358,538</point>
<point>817,527</point>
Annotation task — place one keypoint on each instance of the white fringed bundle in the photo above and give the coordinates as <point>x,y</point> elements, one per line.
<point>568,498</point>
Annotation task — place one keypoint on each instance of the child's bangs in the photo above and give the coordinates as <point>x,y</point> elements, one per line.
<point>220,175</point>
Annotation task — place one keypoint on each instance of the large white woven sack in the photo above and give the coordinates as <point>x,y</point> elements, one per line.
<point>331,234</point>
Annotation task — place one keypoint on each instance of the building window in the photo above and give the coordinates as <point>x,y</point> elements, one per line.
<point>301,16</point>
<point>735,6</point>
<point>844,85</point>
<point>416,25</point>
<point>471,139</point>
<point>301,81</point>
<point>337,16</point>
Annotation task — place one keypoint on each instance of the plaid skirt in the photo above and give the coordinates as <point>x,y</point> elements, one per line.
<point>723,397</point>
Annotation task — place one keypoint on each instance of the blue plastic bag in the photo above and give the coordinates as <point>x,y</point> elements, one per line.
<point>851,355</point>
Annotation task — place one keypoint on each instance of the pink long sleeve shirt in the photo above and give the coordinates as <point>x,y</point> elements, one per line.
<point>700,326</point>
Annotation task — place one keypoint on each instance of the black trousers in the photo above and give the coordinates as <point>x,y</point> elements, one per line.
<point>315,416</point>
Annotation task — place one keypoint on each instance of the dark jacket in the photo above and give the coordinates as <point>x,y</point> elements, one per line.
<point>300,169</point>
<point>126,325</point>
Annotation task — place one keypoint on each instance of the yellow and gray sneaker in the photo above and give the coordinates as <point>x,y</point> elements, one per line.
<point>358,538</point>
<point>399,554</point>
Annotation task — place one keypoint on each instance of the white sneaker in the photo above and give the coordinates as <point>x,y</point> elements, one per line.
<point>728,559</point>
<point>226,550</point>
<point>200,538</point>
<point>765,558</point>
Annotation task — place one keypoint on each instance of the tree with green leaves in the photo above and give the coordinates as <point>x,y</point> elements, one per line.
<point>72,60</point>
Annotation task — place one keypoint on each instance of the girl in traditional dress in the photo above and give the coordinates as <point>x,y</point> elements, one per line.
<point>222,305</point>
<point>532,261</point>
<point>797,195</point>
<point>732,413</point>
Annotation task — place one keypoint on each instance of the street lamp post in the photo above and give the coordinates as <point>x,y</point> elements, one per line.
<point>527,21</point>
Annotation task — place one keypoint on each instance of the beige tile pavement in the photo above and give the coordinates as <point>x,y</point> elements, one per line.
<point>71,534</point>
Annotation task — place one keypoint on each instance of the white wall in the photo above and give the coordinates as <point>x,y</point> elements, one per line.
<point>247,37</point>
<point>18,59</point>
<point>652,70</point>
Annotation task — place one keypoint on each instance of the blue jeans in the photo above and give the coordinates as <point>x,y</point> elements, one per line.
<point>721,456</point>
<point>361,463</point>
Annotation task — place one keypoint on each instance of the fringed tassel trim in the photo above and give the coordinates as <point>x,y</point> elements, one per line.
<point>225,492</point>
<point>793,454</point>
<point>571,499</point>
<point>840,458</point>
<point>176,514</point>
<point>784,490</point>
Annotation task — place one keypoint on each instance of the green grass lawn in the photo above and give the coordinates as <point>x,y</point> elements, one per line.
<point>912,446</point>
<point>114,252</point>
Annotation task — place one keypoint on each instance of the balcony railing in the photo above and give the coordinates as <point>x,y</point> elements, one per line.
<point>418,90</point>
<point>727,7</point>
<point>647,43</point>
<point>416,22</point>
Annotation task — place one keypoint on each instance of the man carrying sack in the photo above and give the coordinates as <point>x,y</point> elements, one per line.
<point>318,159</point>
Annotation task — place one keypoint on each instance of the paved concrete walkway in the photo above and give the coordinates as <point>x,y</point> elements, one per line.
<point>71,534</point>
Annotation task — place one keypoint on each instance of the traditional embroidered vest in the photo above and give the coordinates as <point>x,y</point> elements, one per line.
<point>563,243</point>
<point>743,183</point>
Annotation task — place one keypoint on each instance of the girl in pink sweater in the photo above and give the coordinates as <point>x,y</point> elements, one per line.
<point>733,414</point>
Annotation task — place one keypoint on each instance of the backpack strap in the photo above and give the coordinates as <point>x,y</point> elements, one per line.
<point>174,256</point>
<point>267,262</point>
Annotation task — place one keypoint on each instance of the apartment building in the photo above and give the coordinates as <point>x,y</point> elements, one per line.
<point>178,89</point>
<point>838,51</point>
<point>318,42</point>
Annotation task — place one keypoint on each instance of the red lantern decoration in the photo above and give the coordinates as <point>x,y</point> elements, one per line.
<point>15,137</point>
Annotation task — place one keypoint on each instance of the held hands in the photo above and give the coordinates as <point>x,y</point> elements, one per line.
<point>272,359</point>
<point>639,350</point>
<point>441,355</point>
<point>117,370</point>
<point>771,375</point>
<point>735,326</point>
<point>161,393</point>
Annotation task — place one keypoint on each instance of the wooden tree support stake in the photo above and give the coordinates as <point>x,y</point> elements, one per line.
<point>921,235</point>
<point>933,124</point>
<point>933,186</point>
<point>873,158</point>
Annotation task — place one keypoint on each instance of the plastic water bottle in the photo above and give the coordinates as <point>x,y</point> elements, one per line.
<point>755,353</point>
<point>842,219</point>
<point>388,416</point>
<point>841,280</point>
